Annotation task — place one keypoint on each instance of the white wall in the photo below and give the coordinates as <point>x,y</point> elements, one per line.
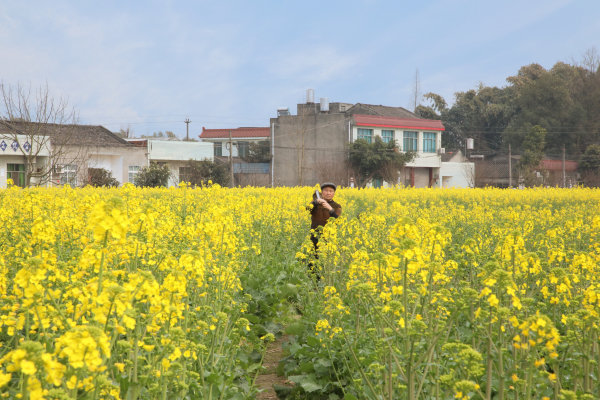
<point>167,150</point>
<point>457,174</point>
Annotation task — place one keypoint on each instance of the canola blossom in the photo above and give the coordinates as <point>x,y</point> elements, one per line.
<point>425,294</point>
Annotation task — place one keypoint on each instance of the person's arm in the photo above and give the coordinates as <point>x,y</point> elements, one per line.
<point>335,211</point>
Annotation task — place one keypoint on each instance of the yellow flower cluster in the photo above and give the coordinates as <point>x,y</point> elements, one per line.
<point>107,290</point>
<point>115,293</point>
<point>513,273</point>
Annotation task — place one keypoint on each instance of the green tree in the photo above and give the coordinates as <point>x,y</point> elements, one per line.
<point>589,166</point>
<point>481,114</point>
<point>534,143</point>
<point>156,175</point>
<point>198,173</point>
<point>377,160</point>
<point>99,177</point>
<point>548,99</point>
<point>435,110</point>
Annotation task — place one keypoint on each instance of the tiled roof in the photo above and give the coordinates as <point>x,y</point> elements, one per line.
<point>395,122</point>
<point>372,109</point>
<point>248,132</point>
<point>73,135</point>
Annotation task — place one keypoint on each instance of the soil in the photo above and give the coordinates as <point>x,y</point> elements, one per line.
<point>269,377</point>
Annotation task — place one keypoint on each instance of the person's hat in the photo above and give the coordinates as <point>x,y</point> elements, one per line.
<point>330,184</point>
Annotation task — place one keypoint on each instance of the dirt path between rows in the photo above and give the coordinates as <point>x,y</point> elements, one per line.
<point>269,377</point>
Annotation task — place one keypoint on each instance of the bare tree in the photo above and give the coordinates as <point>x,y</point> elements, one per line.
<point>38,126</point>
<point>332,171</point>
<point>591,60</point>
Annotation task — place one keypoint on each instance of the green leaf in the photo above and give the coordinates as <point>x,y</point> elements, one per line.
<point>295,328</point>
<point>306,382</point>
<point>310,386</point>
<point>322,366</point>
<point>313,341</point>
<point>306,366</point>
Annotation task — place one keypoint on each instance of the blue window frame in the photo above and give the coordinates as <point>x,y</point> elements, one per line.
<point>410,141</point>
<point>366,134</point>
<point>429,142</point>
<point>387,135</point>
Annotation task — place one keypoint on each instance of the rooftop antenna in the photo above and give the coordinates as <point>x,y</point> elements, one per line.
<point>187,129</point>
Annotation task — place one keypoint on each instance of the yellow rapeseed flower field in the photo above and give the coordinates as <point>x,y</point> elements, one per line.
<point>163,293</point>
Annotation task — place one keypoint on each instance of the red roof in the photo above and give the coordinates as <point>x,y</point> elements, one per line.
<point>395,122</point>
<point>235,133</point>
<point>557,165</point>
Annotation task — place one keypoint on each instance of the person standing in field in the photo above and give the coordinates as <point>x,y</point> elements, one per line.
<point>321,209</point>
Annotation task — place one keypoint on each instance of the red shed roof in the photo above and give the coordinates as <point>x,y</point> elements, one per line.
<point>557,165</point>
<point>395,122</point>
<point>249,132</point>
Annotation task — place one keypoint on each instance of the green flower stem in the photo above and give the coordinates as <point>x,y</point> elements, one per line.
<point>101,271</point>
<point>360,370</point>
<point>488,389</point>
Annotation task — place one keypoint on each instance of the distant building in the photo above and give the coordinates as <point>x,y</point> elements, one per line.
<point>313,145</point>
<point>68,155</point>
<point>493,170</point>
<point>173,153</point>
<point>240,143</point>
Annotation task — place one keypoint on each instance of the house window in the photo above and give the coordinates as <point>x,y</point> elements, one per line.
<point>243,148</point>
<point>68,175</point>
<point>185,174</point>
<point>410,140</point>
<point>429,142</point>
<point>16,172</point>
<point>365,134</point>
<point>387,136</point>
<point>377,183</point>
<point>218,147</point>
<point>133,171</point>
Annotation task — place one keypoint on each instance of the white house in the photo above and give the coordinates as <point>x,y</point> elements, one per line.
<point>67,157</point>
<point>175,154</point>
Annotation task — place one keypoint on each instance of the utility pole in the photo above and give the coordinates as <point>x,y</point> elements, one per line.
<point>230,160</point>
<point>564,170</point>
<point>187,129</point>
<point>509,167</point>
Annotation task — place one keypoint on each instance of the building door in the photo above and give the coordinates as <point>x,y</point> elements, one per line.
<point>16,172</point>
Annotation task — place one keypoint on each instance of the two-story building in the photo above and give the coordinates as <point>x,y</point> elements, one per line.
<point>312,146</point>
<point>421,136</point>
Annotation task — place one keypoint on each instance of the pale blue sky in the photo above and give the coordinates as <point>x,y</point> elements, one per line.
<point>148,65</point>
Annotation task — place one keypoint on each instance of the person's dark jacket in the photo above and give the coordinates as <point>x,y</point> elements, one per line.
<point>320,214</point>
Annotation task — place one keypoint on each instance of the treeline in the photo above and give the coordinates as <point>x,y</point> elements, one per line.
<point>564,101</point>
